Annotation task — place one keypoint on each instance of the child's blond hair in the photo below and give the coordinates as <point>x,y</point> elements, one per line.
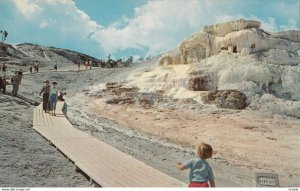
<point>205,151</point>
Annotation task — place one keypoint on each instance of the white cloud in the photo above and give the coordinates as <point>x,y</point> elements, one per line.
<point>28,8</point>
<point>269,24</point>
<point>61,14</point>
<point>43,24</point>
<point>156,25</point>
<point>85,20</point>
<point>292,25</point>
<point>61,22</point>
<point>59,1</point>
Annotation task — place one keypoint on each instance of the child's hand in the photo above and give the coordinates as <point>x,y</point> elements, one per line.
<point>179,166</point>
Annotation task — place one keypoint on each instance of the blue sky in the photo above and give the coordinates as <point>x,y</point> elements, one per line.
<point>132,27</point>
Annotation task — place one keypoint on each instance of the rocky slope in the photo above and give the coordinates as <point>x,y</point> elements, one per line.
<point>26,54</point>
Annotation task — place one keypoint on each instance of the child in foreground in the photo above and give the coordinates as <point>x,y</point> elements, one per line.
<point>201,173</point>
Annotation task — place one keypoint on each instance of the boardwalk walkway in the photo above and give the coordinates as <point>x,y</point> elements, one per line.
<point>104,164</point>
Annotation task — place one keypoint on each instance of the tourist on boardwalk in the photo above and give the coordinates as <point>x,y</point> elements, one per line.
<point>30,69</point>
<point>46,93</point>
<point>53,98</point>
<point>200,171</point>
<point>55,67</point>
<point>65,109</point>
<point>61,96</point>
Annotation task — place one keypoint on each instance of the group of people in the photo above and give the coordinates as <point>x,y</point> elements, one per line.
<point>87,64</point>
<point>50,97</point>
<point>35,66</point>
<point>4,35</point>
<point>15,81</point>
<point>50,92</point>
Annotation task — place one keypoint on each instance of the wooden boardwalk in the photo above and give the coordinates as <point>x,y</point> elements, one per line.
<point>104,164</point>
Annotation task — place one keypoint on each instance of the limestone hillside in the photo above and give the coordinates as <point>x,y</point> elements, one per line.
<point>237,55</point>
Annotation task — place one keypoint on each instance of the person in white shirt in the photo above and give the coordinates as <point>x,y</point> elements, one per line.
<point>53,98</point>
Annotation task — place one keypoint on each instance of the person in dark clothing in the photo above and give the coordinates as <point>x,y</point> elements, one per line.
<point>4,67</point>
<point>30,69</point>
<point>2,36</point>
<point>46,92</point>
<point>20,73</point>
<point>61,96</point>
<point>3,84</point>
<point>5,34</point>
<point>55,67</point>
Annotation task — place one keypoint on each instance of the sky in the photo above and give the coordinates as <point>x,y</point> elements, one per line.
<point>136,28</point>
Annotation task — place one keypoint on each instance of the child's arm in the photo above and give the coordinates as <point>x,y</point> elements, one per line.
<point>180,166</point>
<point>212,183</point>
